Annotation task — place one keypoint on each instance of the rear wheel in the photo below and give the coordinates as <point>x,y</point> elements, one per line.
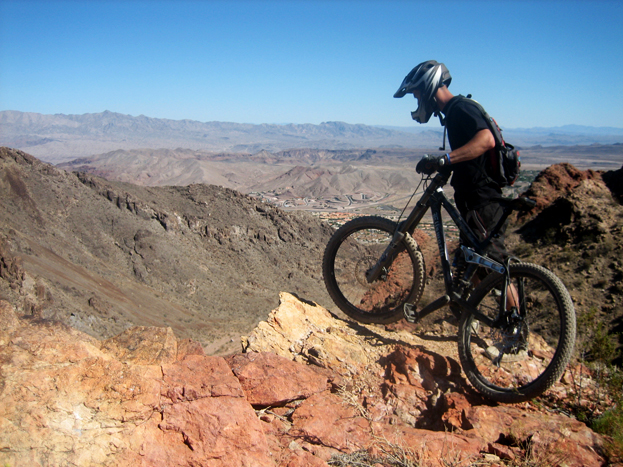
<point>520,355</point>
<point>354,249</point>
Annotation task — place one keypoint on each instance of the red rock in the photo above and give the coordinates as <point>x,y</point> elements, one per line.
<point>431,448</point>
<point>408,401</point>
<point>188,347</point>
<point>302,459</point>
<point>503,452</point>
<point>330,420</point>
<point>197,377</point>
<point>64,401</point>
<point>217,431</point>
<point>456,407</point>
<point>489,422</point>
<point>553,439</point>
<point>556,181</point>
<point>421,367</point>
<point>271,380</point>
<point>146,398</point>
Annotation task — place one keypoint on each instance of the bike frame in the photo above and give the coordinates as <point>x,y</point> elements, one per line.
<point>434,199</point>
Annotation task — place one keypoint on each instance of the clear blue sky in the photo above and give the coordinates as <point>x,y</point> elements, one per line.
<point>530,63</point>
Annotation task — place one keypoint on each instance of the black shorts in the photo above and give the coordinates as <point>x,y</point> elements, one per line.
<point>482,220</point>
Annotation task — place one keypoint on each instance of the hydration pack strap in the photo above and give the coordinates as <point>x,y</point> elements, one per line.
<point>449,106</point>
<point>445,130</point>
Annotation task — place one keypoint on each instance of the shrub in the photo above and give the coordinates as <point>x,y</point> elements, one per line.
<point>610,423</point>
<point>600,347</point>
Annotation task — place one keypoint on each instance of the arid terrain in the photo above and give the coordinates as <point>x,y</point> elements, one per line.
<point>201,251</point>
<point>331,167</point>
<point>112,294</point>
<point>127,276</point>
<point>308,389</point>
<point>377,181</point>
<point>207,261</point>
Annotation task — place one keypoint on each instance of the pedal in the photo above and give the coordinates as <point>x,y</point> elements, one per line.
<point>409,312</point>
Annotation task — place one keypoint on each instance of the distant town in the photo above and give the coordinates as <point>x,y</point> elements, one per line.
<point>284,200</point>
<point>337,210</point>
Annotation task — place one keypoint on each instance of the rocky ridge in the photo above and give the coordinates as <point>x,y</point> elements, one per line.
<point>309,390</point>
<point>577,231</point>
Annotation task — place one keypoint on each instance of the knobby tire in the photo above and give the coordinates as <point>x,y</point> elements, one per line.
<point>521,358</point>
<point>352,250</point>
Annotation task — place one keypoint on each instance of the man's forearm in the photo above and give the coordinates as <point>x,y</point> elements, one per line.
<point>479,144</point>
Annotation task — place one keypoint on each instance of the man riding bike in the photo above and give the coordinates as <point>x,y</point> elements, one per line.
<point>516,325</point>
<point>470,138</point>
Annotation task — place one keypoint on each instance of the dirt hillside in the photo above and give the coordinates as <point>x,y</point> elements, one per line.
<point>207,261</point>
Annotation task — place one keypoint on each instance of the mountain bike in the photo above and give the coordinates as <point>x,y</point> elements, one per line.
<point>516,328</point>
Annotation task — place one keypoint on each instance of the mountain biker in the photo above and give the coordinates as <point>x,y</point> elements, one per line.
<point>470,138</point>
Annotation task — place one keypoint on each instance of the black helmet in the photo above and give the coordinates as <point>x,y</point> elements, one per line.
<point>426,78</point>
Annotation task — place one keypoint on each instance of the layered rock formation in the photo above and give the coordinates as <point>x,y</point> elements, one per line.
<point>308,389</point>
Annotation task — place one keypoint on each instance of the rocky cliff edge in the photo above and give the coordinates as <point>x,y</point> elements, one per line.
<point>307,390</point>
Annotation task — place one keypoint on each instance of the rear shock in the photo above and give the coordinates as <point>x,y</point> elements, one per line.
<point>461,278</point>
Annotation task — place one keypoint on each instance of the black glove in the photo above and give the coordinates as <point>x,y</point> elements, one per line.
<point>430,164</point>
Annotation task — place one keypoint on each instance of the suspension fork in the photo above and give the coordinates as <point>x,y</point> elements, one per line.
<point>519,289</point>
<point>379,270</point>
<point>383,264</point>
<point>395,246</point>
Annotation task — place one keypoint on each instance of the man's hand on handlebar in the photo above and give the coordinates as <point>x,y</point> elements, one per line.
<point>430,164</point>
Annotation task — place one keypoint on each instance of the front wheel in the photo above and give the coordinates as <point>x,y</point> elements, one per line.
<point>519,355</point>
<point>355,248</point>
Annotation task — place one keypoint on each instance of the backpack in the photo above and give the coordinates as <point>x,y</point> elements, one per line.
<point>502,164</point>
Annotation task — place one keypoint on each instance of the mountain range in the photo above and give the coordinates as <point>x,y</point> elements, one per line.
<point>60,138</point>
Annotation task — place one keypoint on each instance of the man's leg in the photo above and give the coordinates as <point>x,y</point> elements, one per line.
<point>482,221</point>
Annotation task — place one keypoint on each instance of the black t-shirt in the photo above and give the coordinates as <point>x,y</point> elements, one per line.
<point>469,180</point>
